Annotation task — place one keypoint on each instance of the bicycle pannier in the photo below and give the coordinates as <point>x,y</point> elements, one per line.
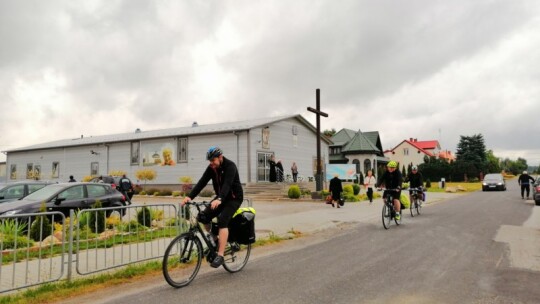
<point>242,226</point>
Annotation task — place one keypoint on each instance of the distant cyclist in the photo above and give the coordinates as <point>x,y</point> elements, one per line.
<point>392,180</point>
<point>125,187</point>
<point>523,181</point>
<point>415,180</point>
<point>229,196</point>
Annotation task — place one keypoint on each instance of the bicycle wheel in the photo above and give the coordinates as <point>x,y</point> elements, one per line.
<point>386,216</point>
<point>417,206</point>
<point>411,207</point>
<point>236,256</point>
<point>182,260</point>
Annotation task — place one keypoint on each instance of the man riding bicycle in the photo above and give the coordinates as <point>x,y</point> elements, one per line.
<point>229,196</point>
<point>392,179</point>
<point>415,180</point>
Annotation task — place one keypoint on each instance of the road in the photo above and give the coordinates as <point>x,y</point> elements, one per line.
<point>469,249</point>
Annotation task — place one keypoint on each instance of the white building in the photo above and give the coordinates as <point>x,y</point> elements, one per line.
<point>174,153</point>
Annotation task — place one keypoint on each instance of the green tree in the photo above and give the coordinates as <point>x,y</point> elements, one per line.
<point>493,163</point>
<point>471,158</point>
<point>329,133</point>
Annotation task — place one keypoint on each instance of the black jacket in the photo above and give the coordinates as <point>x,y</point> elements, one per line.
<point>415,180</point>
<point>225,180</point>
<point>391,180</point>
<point>524,179</point>
<point>335,186</point>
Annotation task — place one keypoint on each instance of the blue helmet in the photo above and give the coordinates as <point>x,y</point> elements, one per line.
<point>213,152</point>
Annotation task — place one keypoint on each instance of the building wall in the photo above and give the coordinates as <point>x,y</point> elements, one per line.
<point>406,154</point>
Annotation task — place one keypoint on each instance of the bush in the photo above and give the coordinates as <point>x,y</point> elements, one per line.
<point>325,193</point>
<point>12,227</point>
<point>40,228</point>
<point>166,192</point>
<point>142,192</point>
<point>176,193</point>
<point>157,193</point>
<point>8,241</point>
<point>206,193</point>
<point>348,189</point>
<point>152,191</point>
<point>356,189</point>
<point>350,197</point>
<point>96,219</point>
<point>130,226</point>
<point>144,217</point>
<point>428,183</point>
<point>294,191</point>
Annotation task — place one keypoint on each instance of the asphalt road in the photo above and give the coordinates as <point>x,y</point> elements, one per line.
<point>447,255</point>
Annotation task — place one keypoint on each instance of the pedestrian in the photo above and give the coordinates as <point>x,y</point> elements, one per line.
<point>229,196</point>
<point>523,181</point>
<point>71,179</point>
<point>279,170</point>
<point>100,180</point>
<point>369,183</point>
<point>294,171</point>
<point>336,189</point>
<point>272,163</point>
<point>126,187</point>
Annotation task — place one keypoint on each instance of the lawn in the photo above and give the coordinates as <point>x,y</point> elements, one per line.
<point>469,187</point>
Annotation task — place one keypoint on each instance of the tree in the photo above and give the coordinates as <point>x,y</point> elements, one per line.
<point>146,175</point>
<point>329,133</point>
<point>471,158</point>
<point>493,163</point>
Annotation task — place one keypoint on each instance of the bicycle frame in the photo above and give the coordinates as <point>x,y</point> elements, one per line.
<point>196,230</point>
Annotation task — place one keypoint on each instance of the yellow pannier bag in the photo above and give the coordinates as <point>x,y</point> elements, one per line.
<point>404,199</point>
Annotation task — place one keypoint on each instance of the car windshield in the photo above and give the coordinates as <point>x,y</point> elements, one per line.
<point>44,193</point>
<point>493,177</point>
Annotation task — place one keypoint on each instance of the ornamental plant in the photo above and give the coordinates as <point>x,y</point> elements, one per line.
<point>294,191</point>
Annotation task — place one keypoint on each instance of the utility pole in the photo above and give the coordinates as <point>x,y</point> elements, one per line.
<point>317,111</point>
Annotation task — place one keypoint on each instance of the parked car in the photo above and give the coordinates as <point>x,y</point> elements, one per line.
<point>536,192</point>
<point>493,181</point>
<point>65,197</point>
<point>14,191</point>
<point>114,181</point>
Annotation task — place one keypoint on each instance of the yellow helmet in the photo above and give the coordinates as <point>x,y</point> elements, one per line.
<point>392,164</point>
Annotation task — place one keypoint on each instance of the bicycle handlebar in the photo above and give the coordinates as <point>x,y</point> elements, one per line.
<point>198,204</point>
<point>394,190</point>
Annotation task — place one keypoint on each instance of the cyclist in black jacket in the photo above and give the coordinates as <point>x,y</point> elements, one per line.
<point>415,180</point>
<point>392,180</point>
<point>229,196</point>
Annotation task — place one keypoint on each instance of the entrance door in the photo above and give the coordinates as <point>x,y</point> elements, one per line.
<point>263,167</point>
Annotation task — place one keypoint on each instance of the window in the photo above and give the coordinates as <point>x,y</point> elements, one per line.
<point>182,150</point>
<point>72,193</point>
<point>34,187</point>
<point>29,171</point>
<point>367,165</point>
<point>13,172</point>
<point>16,191</point>
<point>37,172</point>
<point>55,170</point>
<point>295,130</point>
<point>94,168</point>
<point>96,190</point>
<point>405,151</point>
<point>135,152</point>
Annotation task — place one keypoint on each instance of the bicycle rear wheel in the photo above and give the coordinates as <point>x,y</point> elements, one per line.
<point>417,206</point>
<point>386,216</point>
<point>411,207</point>
<point>236,256</point>
<point>182,260</point>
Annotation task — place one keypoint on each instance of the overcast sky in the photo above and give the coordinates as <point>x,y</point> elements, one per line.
<point>423,69</point>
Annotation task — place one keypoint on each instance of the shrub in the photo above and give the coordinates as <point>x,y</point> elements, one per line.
<point>176,193</point>
<point>157,193</point>
<point>348,189</point>
<point>152,191</point>
<point>186,182</point>
<point>350,197</point>
<point>294,191</point>
<point>166,192</point>
<point>157,214</point>
<point>96,219</point>
<point>9,240</point>
<point>40,228</point>
<point>142,192</point>
<point>112,221</point>
<point>12,227</point>
<point>206,193</point>
<point>325,193</point>
<point>356,189</point>
<point>144,217</point>
<point>428,183</point>
<point>130,226</point>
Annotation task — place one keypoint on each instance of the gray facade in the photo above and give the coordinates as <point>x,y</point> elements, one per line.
<point>173,153</point>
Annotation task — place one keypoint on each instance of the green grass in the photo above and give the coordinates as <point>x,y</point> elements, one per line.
<point>469,187</point>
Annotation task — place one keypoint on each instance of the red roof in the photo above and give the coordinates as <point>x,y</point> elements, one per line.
<point>428,144</point>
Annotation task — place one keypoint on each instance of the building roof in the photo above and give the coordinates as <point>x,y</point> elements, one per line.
<point>414,143</point>
<point>359,143</point>
<point>426,145</point>
<point>342,137</point>
<point>163,133</point>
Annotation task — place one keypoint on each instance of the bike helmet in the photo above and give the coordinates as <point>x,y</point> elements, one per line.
<point>392,164</point>
<point>213,152</point>
<point>414,168</point>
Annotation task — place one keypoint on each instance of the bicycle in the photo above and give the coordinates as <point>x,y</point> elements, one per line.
<point>388,211</point>
<point>183,256</point>
<point>415,202</point>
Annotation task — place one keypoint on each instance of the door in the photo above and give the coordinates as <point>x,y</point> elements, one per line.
<point>263,167</point>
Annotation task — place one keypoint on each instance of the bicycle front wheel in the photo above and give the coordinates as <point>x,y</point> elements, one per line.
<point>386,216</point>
<point>417,206</point>
<point>182,260</point>
<point>236,256</point>
<point>411,207</point>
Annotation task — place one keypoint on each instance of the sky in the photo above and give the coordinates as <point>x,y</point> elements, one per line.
<point>430,69</point>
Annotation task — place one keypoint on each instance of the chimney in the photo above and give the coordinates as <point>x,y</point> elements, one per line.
<point>194,124</point>
<point>410,139</point>
<point>137,130</point>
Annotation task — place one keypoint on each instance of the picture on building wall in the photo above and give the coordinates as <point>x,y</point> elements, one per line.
<point>158,154</point>
<point>55,170</point>
<point>135,148</point>
<point>94,168</point>
<point>37,172</point>
<point>29,171</point>
<point>266,138</point>
<point>13,172</point>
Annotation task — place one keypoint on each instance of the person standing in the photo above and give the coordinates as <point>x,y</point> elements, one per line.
<point>272,163</point>
<point>71,179</point>
<point>294,171</point>
<point>369,183</point>
<point>126,187</point>
<point>229,196</point>
<point>523,181</point>
<point>279,170</point>
<point>336,189</point>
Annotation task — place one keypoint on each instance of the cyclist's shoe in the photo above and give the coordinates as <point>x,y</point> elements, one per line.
<point>397,217</point>
<point>218,261</point>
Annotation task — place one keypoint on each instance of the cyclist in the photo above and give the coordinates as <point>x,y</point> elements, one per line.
<point>415,180</point>
<point>229,196</point>
<point>392,179</point>
<point>523,181</point>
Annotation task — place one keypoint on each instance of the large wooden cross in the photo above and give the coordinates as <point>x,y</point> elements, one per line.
<point>317,111</point>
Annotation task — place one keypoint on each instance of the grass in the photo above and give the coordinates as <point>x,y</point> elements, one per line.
<point>469,187</point>
<point>53,292</point>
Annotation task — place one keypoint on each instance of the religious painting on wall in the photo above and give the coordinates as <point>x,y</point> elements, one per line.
<point>266,138</point>
<point>158,154</point>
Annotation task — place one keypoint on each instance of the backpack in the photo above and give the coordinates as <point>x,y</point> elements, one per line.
<point>242,226</point>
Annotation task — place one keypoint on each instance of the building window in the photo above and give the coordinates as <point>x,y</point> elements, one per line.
<point>182,150</point>
<point>37,172</point>
<point>30,171</point>
<point>13,172</point>
<point>94,168</point>
<point>55,170</point>
<point>135,152</point>
<point>405,151</point>
<point>294,130</point>
<point>367,165</point>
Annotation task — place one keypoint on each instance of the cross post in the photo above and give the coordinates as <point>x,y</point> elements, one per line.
<point>319,113</point>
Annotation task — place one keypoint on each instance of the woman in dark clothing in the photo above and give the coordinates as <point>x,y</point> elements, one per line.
<point>279,170</point>
<point>336,189</point>
<point>272,163</point>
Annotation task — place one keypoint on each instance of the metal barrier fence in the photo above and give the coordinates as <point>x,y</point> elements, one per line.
<point>96,240</point>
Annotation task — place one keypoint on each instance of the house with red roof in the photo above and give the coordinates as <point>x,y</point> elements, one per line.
<point>412,152</point>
